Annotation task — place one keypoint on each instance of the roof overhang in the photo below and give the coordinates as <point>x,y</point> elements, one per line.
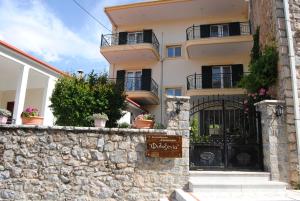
<point>17,53</point>
<point>163,10</point>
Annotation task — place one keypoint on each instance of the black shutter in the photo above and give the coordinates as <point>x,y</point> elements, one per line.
<point>234,29</point>
<point>123,38</point>
<point>205,31</point>
<point>120,79</point>
<point>146,79</point>
<point>237,74</point>
<point>147,36</point>
<point>206,77</point>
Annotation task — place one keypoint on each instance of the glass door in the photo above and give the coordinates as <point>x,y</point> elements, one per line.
<point>219,30</point>
<point>135,37</point>
<point>133,80</point>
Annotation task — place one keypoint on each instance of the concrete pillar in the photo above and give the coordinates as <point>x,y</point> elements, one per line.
<point>45,110</point>
<point>274,140</point>
<point>20,94</point>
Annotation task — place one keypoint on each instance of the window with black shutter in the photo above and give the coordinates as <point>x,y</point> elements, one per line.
<point>146,79</point>
<point>120,79</point>
<point>205,31</point>
<point>206,77</point>
<point>234,29</point>
<point>123,38</point>
<point>237,74</point>
<point>147,36</point>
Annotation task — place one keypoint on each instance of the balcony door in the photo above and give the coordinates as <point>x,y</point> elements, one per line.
<point>133,80</point>
<point>221,77</point>
<point>134,37</point>
<point>219,30</point>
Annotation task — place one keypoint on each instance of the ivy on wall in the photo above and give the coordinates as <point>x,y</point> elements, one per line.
<point>262,67</point>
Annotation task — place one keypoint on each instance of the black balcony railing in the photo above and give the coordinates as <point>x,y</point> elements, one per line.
<point>217,80</point>
<point>218,30</point>
<point>137,84</point>
<point>123,39</point>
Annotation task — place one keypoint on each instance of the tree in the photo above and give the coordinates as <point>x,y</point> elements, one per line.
<point>75,99</point>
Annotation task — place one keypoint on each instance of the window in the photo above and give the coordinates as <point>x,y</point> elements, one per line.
<point>219,30</point>
<point>133,80</point>
<point>134,37</point>
<point>221,77</point>
<point>174,51</point>
<point>173,91</point>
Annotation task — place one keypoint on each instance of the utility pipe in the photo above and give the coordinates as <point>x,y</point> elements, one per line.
<point>292,60</point>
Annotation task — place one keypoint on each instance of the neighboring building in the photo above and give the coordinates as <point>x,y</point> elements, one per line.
<point>178,48</point>
<point>25,81</point>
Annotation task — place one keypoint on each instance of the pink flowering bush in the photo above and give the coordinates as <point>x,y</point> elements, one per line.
<point>30,112</point>
<point>253,98</point>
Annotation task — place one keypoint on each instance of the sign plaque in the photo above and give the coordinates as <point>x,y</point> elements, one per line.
<point>164,146</point>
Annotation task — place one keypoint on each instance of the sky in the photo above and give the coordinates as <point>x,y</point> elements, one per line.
<point>58,31</point>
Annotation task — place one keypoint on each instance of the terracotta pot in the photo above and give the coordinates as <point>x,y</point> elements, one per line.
<point>143,123</point>
<point>32,120</point>
<point>100,123</point>
<point>3,119</point>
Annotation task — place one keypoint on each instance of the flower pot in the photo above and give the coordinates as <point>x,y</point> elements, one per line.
<point>100,123</point>
<point>139,123</point>
<point>32,120</point>
<point>3,119</point>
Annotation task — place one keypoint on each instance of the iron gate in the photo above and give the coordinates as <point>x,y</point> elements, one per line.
<point>226,134</point>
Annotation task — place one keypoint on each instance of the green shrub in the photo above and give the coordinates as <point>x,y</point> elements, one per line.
<point>124,125</point>
<point>195,137</point>
<point>263,67</point>
<point>75,99</point>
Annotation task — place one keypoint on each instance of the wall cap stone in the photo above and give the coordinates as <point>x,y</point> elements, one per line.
<point>270,102</point>
<point>73,128</point>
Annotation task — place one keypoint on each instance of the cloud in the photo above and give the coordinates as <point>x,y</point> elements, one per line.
<point>31,26</point>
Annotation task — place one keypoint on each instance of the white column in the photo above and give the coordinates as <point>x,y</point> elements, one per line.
<point>20,94</point>
<point>46,111</point>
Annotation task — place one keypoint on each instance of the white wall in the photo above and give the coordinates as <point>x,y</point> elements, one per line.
<point>176,70</point>
<point>34,98</point>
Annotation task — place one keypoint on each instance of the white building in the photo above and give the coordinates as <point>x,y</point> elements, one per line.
<point>25,81</point>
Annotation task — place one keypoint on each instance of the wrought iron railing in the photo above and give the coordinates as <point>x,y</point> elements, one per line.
<point>114,39</point>
<point>218,80</point>
<point>194,32</point>
<point>137,84</point>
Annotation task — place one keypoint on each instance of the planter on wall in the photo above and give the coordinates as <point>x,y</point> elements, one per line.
<point>139,123</point>
<point>32,120</point>
<point>100,123</point>
<point>3,119</point>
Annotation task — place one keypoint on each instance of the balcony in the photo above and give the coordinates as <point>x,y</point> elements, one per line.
<point>143,90</point>
<point>130,48</point>
<point>219,40</point>
<point>216,84</point>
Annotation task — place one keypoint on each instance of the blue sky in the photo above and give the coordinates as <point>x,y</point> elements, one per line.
<point>57,31</point>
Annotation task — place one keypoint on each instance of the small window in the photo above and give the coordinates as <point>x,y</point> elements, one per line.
<point>173,91</point>
<point>174,51</point>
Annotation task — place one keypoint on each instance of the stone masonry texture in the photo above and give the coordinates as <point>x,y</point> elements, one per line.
<point>269,15</point>
<point>76,163</point>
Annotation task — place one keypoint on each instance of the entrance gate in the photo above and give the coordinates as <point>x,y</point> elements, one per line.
<point>226,134</point>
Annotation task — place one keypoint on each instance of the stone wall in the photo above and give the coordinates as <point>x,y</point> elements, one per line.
<point>269,15</point>
<point>274,140</point>
<point>67,163</point>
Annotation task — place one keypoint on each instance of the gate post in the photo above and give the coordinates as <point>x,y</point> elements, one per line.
<point>177,121</point>
<point>274,140</point>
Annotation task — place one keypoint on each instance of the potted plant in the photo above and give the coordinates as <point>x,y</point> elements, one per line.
<point>31,117</point>
<point>4,114</point>
<point>100,119</point>
<point>144,121</point>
